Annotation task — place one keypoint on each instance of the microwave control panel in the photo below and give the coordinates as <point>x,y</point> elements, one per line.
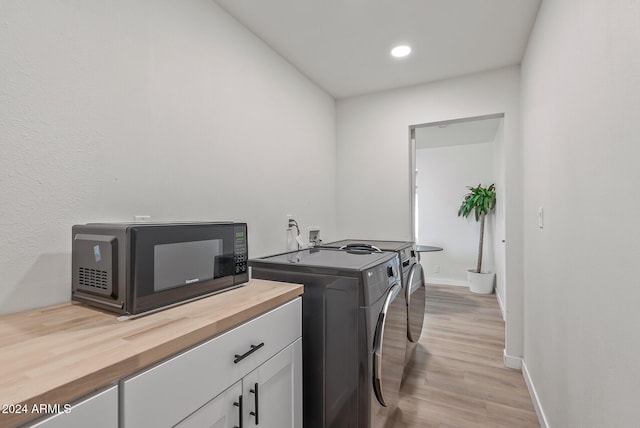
<point>240,248</point>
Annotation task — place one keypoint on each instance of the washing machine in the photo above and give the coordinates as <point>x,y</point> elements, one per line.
<point>353,332</point>
<point>413,281</point>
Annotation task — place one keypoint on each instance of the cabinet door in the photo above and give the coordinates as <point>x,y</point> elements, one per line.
<point>273,392</point>
<point>97,411</point>
<point>222,412</point>
<point>164,395</point>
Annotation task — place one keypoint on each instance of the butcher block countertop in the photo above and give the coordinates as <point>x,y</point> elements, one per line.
<point>57,354</point>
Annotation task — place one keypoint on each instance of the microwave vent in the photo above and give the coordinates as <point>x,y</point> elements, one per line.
<point>93,278</point>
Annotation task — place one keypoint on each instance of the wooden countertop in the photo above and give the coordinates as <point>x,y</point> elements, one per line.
<point>57,354</point>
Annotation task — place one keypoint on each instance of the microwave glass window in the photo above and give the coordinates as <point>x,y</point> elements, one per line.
<point>183,263</point>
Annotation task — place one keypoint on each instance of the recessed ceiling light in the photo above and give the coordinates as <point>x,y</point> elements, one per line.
<point>401,51</point>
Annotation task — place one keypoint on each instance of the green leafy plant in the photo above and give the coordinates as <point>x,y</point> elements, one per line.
<point>481,201</point>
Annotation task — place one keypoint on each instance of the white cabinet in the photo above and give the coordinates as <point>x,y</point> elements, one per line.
<point>273,392</point>
<point>264,350</point>
<point>97,411</point>
<point>270,397</point>
<point>222,412</point>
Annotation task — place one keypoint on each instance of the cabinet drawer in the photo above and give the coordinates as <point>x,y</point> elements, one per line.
<point>165,394</point>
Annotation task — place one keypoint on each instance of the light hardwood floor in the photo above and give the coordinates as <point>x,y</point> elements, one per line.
<point>457,377</point>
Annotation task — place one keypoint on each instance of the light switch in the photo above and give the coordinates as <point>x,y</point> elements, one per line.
<point>540,217</point>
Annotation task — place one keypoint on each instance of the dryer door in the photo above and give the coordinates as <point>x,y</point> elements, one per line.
<point>390,347</point>
<point>416,298</point>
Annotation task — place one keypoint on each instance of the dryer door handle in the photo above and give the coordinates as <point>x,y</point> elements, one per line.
<point>415,294</point>
<point>390,347</point>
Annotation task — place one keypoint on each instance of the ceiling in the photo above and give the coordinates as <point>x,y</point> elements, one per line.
<point>343,45</point>
<point>474,131</point>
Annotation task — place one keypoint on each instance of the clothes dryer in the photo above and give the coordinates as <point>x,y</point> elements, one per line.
<point>353,332</point>
<point>413,280</point>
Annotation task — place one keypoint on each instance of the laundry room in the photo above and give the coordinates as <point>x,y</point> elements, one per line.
<point>208,136</point>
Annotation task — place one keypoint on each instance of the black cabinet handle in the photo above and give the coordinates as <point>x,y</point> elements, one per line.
<point>253,349</point>
<point>238,404</point>
<point>255,392</point>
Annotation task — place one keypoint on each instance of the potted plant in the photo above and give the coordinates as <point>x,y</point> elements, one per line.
<point>481,201</point>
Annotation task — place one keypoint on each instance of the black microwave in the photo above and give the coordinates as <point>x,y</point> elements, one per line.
<point>135,268</point>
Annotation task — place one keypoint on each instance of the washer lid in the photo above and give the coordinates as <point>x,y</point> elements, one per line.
<point>329,258</point>
<point>383,245</point>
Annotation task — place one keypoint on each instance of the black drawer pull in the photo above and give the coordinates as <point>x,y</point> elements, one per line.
<point>253,349</point>
<point>255,391</point>
<point>238,404</point>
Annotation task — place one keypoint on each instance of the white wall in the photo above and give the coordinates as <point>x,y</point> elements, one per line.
<point>580,106</point>
<point>498,220</point>
<point>443,176</point>
<point>165,108</point>
<point>373,164</point>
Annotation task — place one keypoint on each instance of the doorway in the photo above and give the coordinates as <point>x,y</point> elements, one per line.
<point>446,157</point>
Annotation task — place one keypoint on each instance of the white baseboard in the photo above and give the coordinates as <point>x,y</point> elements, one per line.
<point>446,281</point>
<point>501,304</point>
<point>542,419</point>
<point>511,361</point>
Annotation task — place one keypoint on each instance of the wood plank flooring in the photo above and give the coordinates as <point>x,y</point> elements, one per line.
<point>457,377</point>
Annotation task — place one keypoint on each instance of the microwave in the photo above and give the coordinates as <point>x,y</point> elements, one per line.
<point>135,268</point>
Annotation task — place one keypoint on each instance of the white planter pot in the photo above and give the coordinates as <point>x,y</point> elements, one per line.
<point>481,283</point>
